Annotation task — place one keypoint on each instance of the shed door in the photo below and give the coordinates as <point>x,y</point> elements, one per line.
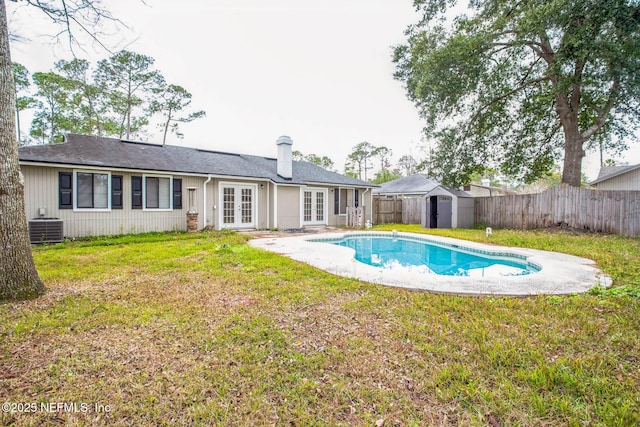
<point>444,211</point>
<point>439,210</point>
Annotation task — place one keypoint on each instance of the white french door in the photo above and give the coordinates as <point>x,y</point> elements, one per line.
<point>314,206</point>
<point>238,202</point>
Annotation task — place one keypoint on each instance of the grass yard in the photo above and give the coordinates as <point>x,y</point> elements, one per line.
<point>176,329</point>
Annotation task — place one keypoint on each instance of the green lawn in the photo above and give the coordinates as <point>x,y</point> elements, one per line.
<point>175,329</point>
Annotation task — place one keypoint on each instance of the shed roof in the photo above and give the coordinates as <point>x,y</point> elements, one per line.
<point>417,184</point>
<point>92,151</point>
<point>412,184</point>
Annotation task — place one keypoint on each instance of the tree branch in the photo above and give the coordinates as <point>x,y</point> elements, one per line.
<point>554,131</point>
<point>93,36</point>
<point>68,26</point>
<point>526,76</point>
<point>79,13</point>
<point>604,112</point>
<point>520,87</point>
<point>545,51</point>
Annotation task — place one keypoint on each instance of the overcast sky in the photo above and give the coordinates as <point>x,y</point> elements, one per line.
<point>319,71</point>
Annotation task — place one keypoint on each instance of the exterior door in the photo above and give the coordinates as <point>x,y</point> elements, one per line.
<point>238,206</point>
<point>439,211</point>
<point>444,211</point>
<point>314,207</point>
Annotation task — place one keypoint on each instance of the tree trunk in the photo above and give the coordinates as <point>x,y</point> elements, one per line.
<point>573,153</point>
<point>573,139</point>
<point>18,275</point>
<point>17,119</point>
<point>166,128</point>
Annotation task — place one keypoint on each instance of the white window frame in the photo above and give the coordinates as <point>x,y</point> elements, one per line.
<point>347,189</point>
<point>350,202</point>
<point>144,193</point>
<point>76,188</point>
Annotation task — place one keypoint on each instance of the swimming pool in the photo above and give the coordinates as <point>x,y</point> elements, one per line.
<point>420,255</point>
<point>557,273</point>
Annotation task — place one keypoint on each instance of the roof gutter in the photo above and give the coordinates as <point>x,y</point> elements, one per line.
<point>342,185</point>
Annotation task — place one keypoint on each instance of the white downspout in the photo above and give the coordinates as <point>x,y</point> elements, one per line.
<point>370,205</point>
<point>204,196</point>
<point>268,206</point>
<point>301,206</point>
<point>275,205</point>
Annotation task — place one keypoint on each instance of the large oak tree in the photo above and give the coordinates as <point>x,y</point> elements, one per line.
<point>523,84</point>
<point>18,275</point>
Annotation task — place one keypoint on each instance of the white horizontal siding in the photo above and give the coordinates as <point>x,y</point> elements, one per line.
<point>41,191</point>
<point>627,181</point>
<point>288,207</point>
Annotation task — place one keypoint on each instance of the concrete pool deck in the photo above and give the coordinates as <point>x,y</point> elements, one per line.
<point>560,273</point>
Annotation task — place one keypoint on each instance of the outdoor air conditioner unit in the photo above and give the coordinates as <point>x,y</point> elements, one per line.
<point>46,230</point>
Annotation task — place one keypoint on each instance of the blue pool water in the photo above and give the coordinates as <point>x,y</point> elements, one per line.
<point>418,255</point>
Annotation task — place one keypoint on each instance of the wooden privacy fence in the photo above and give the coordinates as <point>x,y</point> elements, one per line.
<point>397,210</point>
<point>411,212</point>
<point>387,211</point>
<point>594,210</point>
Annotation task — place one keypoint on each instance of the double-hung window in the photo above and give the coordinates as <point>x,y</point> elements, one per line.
<point>92,190</point>
<point>88,190</point>
<point>157,192</point>
<point>152,192</point>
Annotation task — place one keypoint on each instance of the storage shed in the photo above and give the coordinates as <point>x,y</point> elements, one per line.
<point>438,206</point>
<point>447,207</point>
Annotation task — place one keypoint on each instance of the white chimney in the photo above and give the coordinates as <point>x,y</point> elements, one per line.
<point>486,182</point>
<point>285,159</point>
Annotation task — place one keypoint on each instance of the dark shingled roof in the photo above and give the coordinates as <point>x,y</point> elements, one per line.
<point>82,150</point>
<point>415,184</point>
<point>412,184</point>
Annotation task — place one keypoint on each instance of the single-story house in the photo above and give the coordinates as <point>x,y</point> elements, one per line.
<point>99,186</point>
<point>438,206</point>
<point>618,178</point>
